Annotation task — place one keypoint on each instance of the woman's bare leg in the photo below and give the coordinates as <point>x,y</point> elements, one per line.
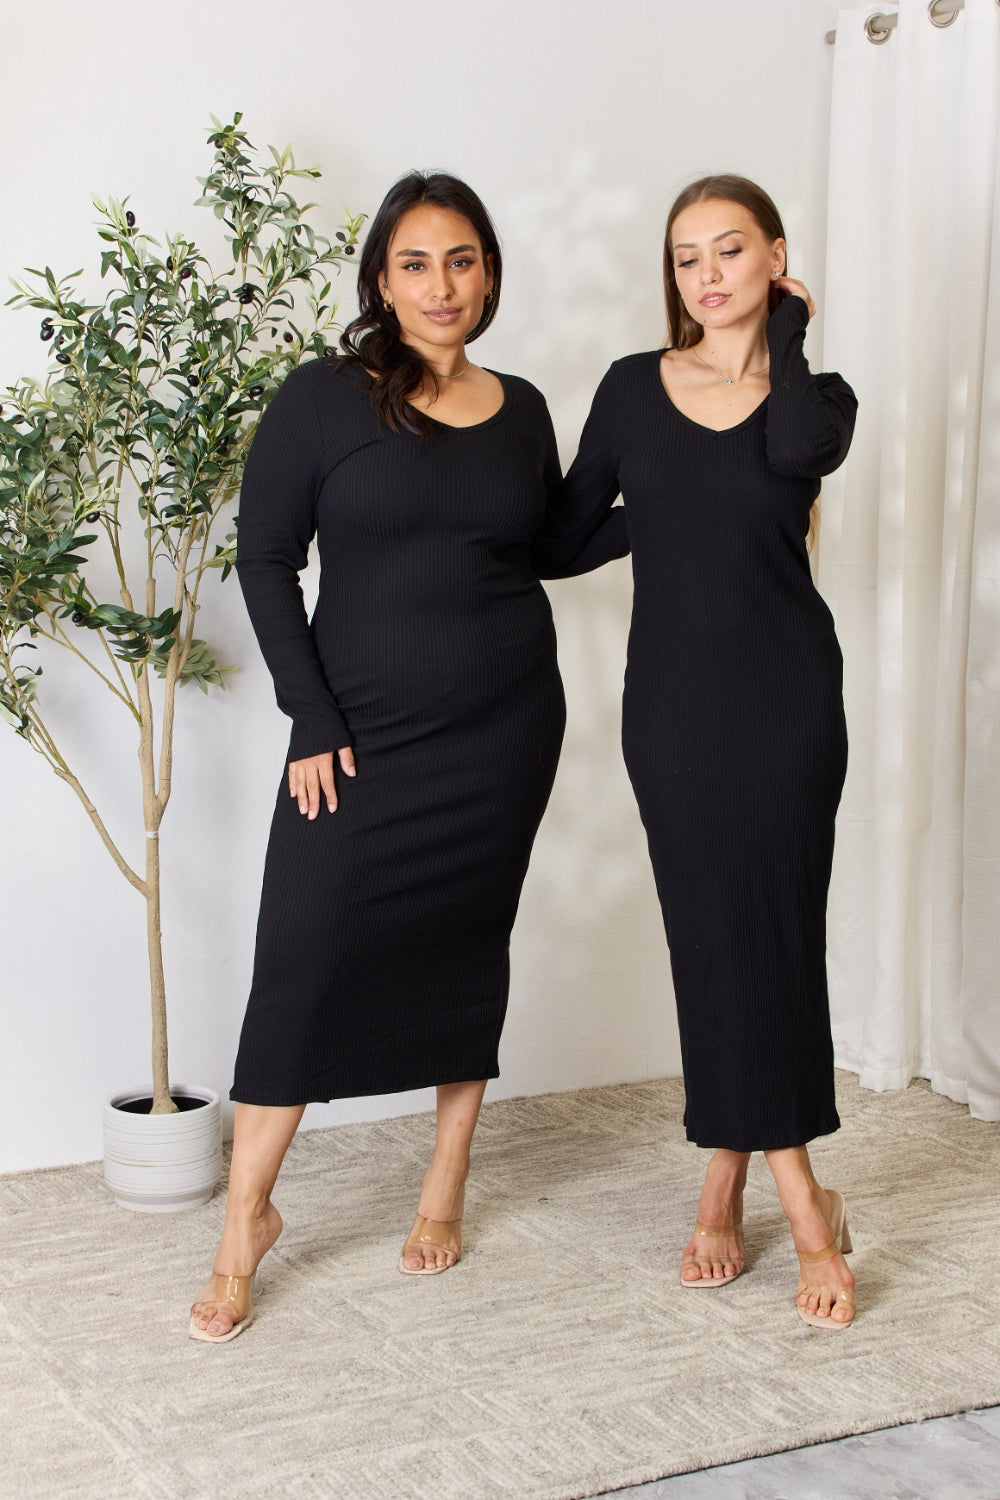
<point>715,1256</point>
<point>262,1136</point>
<point>442,1196</point>
<point>808,1209</point>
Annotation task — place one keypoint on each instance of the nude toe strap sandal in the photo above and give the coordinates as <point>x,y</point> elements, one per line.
<point>239,1292</point>
<point>702,1283</point>
<point>433,1234</point>
<point>811,1286</point>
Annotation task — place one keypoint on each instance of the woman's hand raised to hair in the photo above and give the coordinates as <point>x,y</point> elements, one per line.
<point>793,288</point>
<point>312,779</point>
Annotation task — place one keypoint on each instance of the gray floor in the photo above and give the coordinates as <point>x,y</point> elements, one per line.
<point>952,1458</point>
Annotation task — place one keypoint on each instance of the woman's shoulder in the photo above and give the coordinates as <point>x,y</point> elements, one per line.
<point>333,378</point>
<point>337,392</point>
<point>634,366</point>
<point>524,401</point>
<point>517,388</point>
<point>321,406</point>
<point>630,371</point>
<point>626,376</point>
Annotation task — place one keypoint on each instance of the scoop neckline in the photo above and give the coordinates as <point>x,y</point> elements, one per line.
<point>501,410</point>
<point>700,426</point>
<point>473,426</point>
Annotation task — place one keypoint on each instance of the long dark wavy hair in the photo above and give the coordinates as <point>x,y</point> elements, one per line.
<point>682,330</point>
<point>373,338</point>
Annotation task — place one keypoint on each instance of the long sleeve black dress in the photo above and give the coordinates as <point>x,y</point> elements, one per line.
<point>381,960</point>
<point>733,722</point>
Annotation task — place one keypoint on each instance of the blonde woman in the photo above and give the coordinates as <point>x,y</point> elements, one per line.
<point>733,729</point>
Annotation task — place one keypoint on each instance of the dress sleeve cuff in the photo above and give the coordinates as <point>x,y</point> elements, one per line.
<point>318,735</point>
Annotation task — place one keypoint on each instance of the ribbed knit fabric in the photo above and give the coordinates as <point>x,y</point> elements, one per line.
<point>381,960</point>
<point>733,724</point>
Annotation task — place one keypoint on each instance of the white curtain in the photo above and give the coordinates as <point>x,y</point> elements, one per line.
<point>909,555</point>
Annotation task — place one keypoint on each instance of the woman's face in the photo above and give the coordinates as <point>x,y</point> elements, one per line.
<point>436,277</point>
<point>723,263</point>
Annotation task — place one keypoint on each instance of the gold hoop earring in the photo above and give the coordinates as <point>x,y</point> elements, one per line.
<point>488,297</point>
<point>387,305</point>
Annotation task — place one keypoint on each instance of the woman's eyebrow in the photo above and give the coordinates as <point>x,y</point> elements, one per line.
<point>453,251</point>
<point>690,245</point>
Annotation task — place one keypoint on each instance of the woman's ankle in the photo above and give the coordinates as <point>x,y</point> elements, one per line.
<point>721,1200</point>
<point>442,1193</point>
<point>250,1207</point>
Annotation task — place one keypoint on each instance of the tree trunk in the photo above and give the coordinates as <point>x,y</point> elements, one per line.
<point>152,812</point>
<point>162,1102</point>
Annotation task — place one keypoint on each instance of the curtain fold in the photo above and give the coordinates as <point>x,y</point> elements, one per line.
<point>909,555</point>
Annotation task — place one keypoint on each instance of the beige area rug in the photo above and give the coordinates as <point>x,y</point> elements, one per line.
<point>560,1359</point>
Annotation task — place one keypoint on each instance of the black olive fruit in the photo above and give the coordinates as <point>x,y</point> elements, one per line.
<point>170,262</point>
<point>246,292</point>
<point>95,515</point>
<point>193,380</point>
<point>47,331</point>
<point>130,218</point>
<point>348,249</point>
<point>256,390</point>
<point>289,338</point>
<point>63,359</point>
<point>78,617</point>
<point>187,272</point>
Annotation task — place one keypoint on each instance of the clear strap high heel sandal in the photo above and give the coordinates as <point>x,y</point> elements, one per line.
<point>435,1234</point>
<point>809,1286</point>
<point>700,1283</point>
<point>239,1292</point>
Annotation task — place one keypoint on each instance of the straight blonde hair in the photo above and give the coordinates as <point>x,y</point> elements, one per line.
<point>682,330</point>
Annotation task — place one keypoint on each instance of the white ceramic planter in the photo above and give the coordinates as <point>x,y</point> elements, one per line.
<point>163,1163</point>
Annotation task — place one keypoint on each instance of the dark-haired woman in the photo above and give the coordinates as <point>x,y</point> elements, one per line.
<point>733,720</point>
<point>427,717</point>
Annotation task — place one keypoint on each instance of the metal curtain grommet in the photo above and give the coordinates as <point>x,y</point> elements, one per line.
<point>940,14</point>
<point>879,27</point>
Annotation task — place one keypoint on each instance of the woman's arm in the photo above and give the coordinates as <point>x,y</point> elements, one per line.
<point>581,531</point>
<point>277,522</point>
<point>810,418</point>
<point>609,541</point>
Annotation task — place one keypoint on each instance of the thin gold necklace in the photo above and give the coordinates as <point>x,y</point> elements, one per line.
<point>730,380</point>
<point>458,373</point>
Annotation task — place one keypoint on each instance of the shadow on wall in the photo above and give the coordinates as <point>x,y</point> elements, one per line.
<point>582,283</point>
<point>591,999</point>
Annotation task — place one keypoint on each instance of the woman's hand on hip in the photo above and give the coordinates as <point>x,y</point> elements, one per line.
<point>312,779</point>
<point>793,288</point>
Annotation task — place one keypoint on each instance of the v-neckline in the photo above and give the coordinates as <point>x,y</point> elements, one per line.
<point>701,426</point>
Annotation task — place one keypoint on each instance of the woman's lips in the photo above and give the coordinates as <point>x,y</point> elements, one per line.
<point>714,299</point>
<point>443,314</point>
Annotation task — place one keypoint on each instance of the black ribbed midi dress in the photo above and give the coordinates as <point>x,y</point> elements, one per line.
<point>382,943</point>
<point>733,724</point>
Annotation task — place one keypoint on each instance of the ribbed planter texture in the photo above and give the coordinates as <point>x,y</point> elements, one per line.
<point>163,1163</point>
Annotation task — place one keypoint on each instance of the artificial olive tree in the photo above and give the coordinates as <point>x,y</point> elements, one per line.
<point>126,462</point>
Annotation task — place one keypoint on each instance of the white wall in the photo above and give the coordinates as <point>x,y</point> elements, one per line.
<point>576,123</point>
